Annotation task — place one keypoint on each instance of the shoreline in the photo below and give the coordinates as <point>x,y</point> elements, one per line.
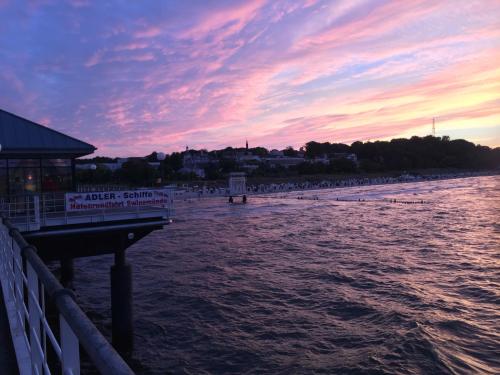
<point>272,188</point>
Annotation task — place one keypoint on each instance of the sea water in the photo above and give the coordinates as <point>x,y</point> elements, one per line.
<point>328,281</point>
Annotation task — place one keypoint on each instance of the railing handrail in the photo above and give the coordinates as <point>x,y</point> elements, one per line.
<point>32,212</point>
<point>100,351</point>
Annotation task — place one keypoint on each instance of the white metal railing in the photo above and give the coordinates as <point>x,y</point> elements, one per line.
<point>25,282</point>
<point>84,188</point>
<point>31,212</point>
<point>53,207</point>
<point>36,332</point>
<point>24,210</point>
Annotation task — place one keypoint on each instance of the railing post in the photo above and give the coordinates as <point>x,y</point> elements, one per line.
<point>18,281</point>
<point>34,320</point>
<point>70,349</point>
<point>27,210</point>
<point>36,209</point>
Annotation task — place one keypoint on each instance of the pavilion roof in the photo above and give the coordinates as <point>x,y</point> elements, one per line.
<point>21,136</point>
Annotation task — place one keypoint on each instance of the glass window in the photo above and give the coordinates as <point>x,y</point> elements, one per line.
<point>3,181</point>
<point>3,177</point>
<point>24,163</point>
<point>56,162</point>
<point>24,180</point>
<point>57,179</point>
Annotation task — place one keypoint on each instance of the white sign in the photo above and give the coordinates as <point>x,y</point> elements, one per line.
<point>116,199</point>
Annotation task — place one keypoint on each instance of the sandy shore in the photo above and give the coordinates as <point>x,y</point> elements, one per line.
<point>193,192</point>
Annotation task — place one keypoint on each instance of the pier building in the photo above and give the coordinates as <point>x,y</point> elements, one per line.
<point>44,218</point>
<point>237,184</point>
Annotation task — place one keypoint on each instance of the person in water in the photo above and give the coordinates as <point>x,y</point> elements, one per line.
<point>231,199</point>
<point>244,200</point>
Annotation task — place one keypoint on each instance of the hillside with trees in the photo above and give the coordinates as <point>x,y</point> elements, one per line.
<point>314,158</point>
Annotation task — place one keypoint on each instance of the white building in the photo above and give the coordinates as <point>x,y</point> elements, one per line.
<point>284,161</point>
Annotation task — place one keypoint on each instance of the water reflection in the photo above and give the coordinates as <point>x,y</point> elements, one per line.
<point>293,285</point>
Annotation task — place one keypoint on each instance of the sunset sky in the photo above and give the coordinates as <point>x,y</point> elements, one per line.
<point>132,77</point>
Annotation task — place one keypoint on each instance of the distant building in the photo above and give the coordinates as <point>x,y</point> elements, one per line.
<point>196,162</point>
<point>283,161</point>
<point>154,164</point>
<point>250,167</point>
<point>116,165</point>
<point>242,157</point>
<point>112,166</point>
<point>200,172</point>
<point>85,167</point>
<point>345,155</point>
<point>322,159</point>
<point>275,153</point>
<point>196,159</point>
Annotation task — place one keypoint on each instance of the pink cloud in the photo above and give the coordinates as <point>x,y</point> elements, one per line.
<point>79,3</point>
<point>276,72</point>
<point>95,59</point>
<point>131,46</point>
<point>389,118</point>
<point>149,32</point>
<point>11,79</point>
<point>235,18</point>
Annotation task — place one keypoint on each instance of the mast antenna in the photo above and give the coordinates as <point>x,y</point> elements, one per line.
<point>433,126</point>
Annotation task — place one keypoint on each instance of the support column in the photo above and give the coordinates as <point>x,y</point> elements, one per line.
<point>121,304</point>
<point>67,272</point>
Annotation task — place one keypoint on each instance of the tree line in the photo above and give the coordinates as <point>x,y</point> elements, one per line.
<point>397,155</point>
<point>414,153</point>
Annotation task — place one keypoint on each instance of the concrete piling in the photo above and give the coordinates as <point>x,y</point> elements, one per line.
<point>121,304</point>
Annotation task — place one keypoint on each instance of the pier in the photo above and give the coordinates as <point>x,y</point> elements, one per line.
<point>44,218</point>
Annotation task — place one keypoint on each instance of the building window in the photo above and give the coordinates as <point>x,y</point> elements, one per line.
<point>56,179</point>
<point>21,163</point>
<point>3,177</point>
<point>24,180</point>
<point>56,162</point>
<point>25,176</point>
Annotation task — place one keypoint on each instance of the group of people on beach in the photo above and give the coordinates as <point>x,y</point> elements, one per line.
<point>193,192</point>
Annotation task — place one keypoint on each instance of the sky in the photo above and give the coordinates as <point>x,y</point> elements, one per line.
<point>132,77</point>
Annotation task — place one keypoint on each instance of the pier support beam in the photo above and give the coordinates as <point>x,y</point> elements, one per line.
<point>121,304</point>
<point>67,272</point>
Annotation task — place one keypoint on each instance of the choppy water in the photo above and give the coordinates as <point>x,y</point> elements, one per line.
<point>303,286</point>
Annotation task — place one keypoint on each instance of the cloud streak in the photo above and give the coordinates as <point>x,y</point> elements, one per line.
<point>164,75</point>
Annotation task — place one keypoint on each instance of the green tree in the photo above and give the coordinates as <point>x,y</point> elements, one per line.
<point>137,172</point>
<point>289,151</point>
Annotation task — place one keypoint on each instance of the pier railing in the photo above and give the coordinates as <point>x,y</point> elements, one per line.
<point>26,282</point>
<point>32,212</point>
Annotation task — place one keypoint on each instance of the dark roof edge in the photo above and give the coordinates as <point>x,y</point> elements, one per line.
<point>49,129</point>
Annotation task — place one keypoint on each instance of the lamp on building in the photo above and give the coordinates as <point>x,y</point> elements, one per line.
<point>93,167</point>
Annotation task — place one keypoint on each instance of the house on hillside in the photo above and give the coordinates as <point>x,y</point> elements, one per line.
<point>196,162</point>
<point>345,155</point>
